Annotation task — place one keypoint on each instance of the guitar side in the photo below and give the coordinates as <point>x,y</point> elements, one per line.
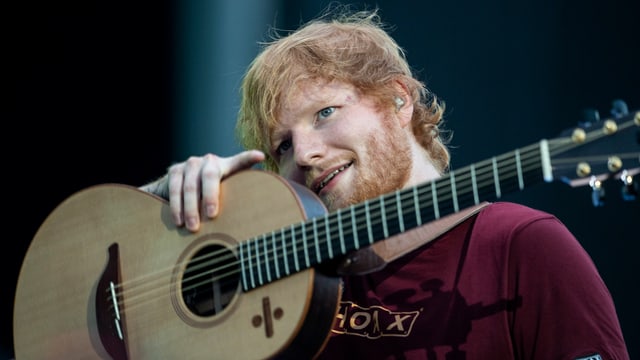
<point>63,278</point>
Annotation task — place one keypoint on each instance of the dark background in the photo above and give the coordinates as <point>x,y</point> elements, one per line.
<point>96,94</point>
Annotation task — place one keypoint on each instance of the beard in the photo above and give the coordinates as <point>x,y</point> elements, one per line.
<point>383,168</point>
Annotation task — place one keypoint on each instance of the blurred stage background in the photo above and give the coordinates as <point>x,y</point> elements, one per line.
<point>103,91</point>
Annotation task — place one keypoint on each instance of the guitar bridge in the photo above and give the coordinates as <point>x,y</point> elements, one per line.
<point>108,311</point>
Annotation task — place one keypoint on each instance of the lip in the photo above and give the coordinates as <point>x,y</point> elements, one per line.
<point>327,177</point>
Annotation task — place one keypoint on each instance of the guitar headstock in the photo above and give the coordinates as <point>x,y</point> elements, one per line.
<point>597,150</point>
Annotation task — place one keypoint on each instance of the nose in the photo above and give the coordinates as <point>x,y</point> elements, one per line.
<point>308,148</point>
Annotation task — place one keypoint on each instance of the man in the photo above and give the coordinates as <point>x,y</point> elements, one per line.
<point>333,106</point>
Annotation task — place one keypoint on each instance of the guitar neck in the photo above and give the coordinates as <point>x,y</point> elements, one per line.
<point>290,249</point>
<point>285,251</point>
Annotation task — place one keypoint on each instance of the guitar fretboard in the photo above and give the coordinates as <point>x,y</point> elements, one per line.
<point>291,249</point>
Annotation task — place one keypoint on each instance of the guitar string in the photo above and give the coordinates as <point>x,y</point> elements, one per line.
<point>347,230</point>
<point>131,299</point>
<point>482,173</point>
<point>208,280</point>
<point>222,276</point>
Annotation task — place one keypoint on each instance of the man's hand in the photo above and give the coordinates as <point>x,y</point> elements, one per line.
<point>194,185</point>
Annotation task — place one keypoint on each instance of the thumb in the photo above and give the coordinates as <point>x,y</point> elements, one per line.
<point>242,161</point>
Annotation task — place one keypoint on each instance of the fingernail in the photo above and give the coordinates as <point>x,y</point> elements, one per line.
<point>211,211</point>
<point>192,223</point>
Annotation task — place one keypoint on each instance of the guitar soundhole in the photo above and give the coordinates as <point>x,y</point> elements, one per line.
<point>210,280</point>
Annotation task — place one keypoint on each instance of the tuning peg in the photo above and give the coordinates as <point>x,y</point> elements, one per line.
<point>597,193</point>
<point>619,108</point>
<point>629,186</point>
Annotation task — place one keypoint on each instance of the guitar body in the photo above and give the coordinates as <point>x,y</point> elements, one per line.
<point>115,239</point>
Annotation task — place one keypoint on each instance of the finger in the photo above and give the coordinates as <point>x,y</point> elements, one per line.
<point>241,161</point>
<point>191,187</point>
<point>211,174</point>
<point>174,186</point>
<point>216,168</point>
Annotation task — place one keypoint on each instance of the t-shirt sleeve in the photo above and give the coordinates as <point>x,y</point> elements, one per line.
<point>567,311</point>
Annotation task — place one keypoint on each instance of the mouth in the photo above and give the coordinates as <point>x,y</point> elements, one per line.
<point>330,176</point>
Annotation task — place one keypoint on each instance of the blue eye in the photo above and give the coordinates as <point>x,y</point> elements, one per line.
<point>326,112</point>
<point>283,147</point>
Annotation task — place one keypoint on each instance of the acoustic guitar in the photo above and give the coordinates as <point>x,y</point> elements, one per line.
<point>108,274</point>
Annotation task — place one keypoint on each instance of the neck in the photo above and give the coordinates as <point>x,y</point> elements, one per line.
<point>422,169</point>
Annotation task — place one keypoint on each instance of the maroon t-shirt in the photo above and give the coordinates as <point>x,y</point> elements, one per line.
<point>510,283</point>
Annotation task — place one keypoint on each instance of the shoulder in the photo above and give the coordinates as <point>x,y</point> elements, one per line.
<point>512,213</point>
<point>511,217</point>
<point>523,228</point>
<point>565,302</point>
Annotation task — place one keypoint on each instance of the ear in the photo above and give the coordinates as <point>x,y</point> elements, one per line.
<point>404,102</point>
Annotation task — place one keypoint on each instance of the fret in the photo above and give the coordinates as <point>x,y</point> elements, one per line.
<point>434,198</point>
<point>416,206</point>
<point>284,252</point>
<point>368,220</point>
<point>316,241</point>
<point>454,195</point>
<point>275,253</point>
<point>305,247</point>
<point>474,184</point>
<point>257,257</point>
<point>266,257</point>
<point>519,170</point>
<point>385,230</point>
<point>340,233</point>
<point>545,159</point>
<point>496,177</point>
<point>400,217</point>
<point>354,227</point>
<point>294,249</point>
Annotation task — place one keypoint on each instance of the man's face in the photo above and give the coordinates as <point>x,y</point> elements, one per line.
<point>338,144</point>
